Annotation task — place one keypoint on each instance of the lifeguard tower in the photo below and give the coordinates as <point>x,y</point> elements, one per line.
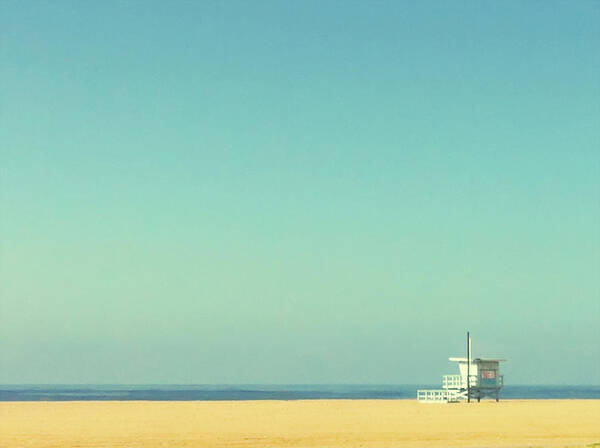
<point>478,378</point>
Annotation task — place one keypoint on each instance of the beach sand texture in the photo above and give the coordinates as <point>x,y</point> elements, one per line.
<point>310,423</point>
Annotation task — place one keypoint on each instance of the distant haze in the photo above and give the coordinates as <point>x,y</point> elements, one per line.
<point>298,192</point>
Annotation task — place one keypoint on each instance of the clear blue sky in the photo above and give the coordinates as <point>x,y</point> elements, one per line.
<point>298,192</point>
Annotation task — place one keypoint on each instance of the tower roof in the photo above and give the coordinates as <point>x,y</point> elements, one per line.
<point>476,359</point>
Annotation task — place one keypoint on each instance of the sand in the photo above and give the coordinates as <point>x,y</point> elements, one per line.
<point>310,423</point>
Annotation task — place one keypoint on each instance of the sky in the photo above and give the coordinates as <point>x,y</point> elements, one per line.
<point>298,192</point>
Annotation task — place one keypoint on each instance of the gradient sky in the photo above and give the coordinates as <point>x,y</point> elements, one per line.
<point>298,192</point>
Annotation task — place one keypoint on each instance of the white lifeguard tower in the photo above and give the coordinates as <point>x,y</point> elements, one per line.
<point>478,378</point>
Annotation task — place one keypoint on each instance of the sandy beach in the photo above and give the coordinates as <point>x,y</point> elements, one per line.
<point>311,423</point>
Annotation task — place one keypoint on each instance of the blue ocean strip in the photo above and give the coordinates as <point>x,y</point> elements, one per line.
<point>263,392</point>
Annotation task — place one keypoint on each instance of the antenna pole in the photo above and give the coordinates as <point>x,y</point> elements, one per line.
<point>468,368</point>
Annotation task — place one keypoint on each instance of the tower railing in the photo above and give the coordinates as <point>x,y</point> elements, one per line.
<point>440,395</point>
<point>458,381</point>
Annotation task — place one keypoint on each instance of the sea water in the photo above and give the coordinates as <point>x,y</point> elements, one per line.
<point>265,392</point>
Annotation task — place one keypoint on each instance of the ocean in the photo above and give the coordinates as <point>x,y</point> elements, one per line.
<point>264,392</point>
